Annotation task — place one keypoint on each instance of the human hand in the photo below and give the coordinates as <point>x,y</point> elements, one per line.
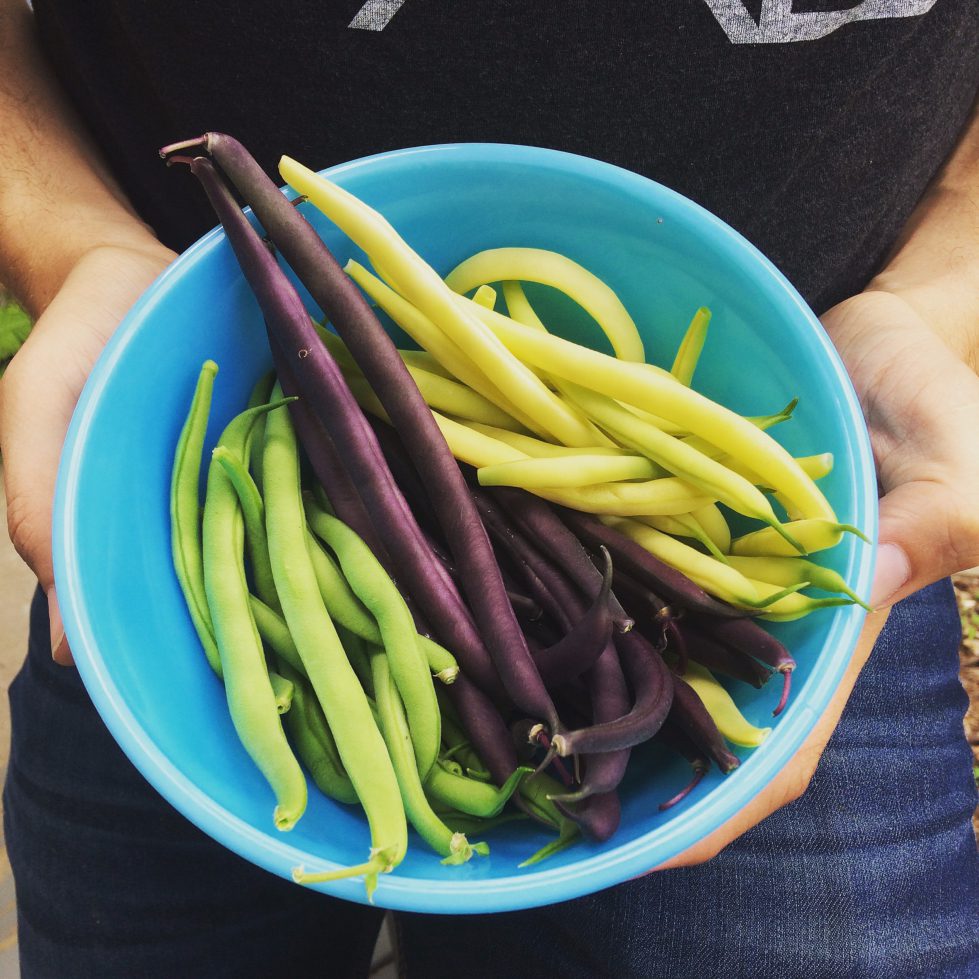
<point>920,397</point>
<point>41,386</point>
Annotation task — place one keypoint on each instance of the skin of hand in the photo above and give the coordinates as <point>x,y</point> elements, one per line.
<point>41,386</point>
<point>921,401</point>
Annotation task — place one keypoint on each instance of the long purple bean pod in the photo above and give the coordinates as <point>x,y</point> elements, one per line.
<point>321,382</point>
<point>705,649</point>
<point>583,646</point>
<point>677,740</point>
<point>690,715</point>
<point>610,700</point>
<point>653,691</point>
<point>598,816</point>
<point>751,639</point>
<point>537,519</point>
<point>385,371</point>
<point>673,585</point>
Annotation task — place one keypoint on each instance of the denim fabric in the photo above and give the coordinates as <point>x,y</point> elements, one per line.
<point>873,873</point>
<point>113,883</point>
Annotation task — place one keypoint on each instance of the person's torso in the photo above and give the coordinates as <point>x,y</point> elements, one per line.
<point>812,126</point>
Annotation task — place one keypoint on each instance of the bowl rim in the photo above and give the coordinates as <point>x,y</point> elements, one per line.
<point>522,889</point>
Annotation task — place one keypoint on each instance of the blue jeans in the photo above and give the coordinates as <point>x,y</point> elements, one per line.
<point>874,872</point>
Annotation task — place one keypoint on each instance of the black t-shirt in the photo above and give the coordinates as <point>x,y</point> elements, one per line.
<point>811,126</point>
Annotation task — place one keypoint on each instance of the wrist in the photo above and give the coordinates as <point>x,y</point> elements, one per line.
<point>36,271</point>
<point>935,268</point>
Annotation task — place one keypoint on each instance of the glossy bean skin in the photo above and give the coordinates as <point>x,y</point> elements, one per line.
<point>185,530</point>
<point>359,742</point>
<point>251,699</point>
<point>380,595</point>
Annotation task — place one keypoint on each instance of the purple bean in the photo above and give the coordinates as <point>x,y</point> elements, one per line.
<point>633,558</point>
<point>386,373</point>
<point>653,691</point>
<point>690,715</point>
<point>703,648</point>
<point>538,521</point>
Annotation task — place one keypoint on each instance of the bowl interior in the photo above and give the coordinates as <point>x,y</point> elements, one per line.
<point>124,613</point>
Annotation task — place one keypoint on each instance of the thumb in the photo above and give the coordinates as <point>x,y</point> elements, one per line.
<point>923,537</point>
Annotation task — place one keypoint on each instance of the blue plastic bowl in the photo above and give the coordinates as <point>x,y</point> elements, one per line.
<point>123,611</point>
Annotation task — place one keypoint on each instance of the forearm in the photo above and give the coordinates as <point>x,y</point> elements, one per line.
<point>57,198</point>
<point>935,265</point>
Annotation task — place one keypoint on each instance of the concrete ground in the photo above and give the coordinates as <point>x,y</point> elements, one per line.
<point>16,588</point>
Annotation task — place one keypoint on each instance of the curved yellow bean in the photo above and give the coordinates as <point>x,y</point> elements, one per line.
<point>685,525</point>
<point>783,571</point>
<point>439,392</point>
<point>562,273</point>
<point>786,608</point>
<point>485,295</point>
<point>653,389</point>
<point>688,354</point>
<point>667,495</point>
<point>423,288</point>
<point>714,525</point>
<point>718,579</point>
<point>714,480</point>
<point>426,362</point>
<point>813,534</point>
<point>567,472</point>
<point>722,708</point>
<point>539,449</point>
<point>427,335</point>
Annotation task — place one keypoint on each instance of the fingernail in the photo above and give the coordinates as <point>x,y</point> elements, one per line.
<point>59,645</point>
<point>892,574</point>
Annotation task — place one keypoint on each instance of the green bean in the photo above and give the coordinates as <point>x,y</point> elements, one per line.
<point>359,742</point>
<point>248,688</point>
<point>314,742</point>
<point>371,584</point>
<point>260,395</point>
<point>275,633</point>
<point>347,610</point>
<point>253,513</point>
<point>468,795</point>
<point>185,506</point>
<point>453,847</point>
<point>282,690</point>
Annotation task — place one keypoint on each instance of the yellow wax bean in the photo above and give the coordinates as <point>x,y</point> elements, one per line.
<point>789,607</point>
<point>784,571</point>
<point>552,269</point>
<point>715,526</point>
<point>718,579</point>
<point>675,455</point>
<point>518,306</point>
<point>722,708</point>
<point>539,449</point>
<point>426,362</point>
<point>763,422</point>
<point>684,525</point>
<point>422,287</point>
<point>813,534</point>
<point>438,392</point>
<point>687,356</point>
<point>427,335</point>
<point>570,471</point>
<point>668,495</point>
<point>656,390</point>
<point>486,296</point>
<point>814,466</point>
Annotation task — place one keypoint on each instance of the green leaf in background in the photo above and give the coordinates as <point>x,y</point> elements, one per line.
<point>15,325</point>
